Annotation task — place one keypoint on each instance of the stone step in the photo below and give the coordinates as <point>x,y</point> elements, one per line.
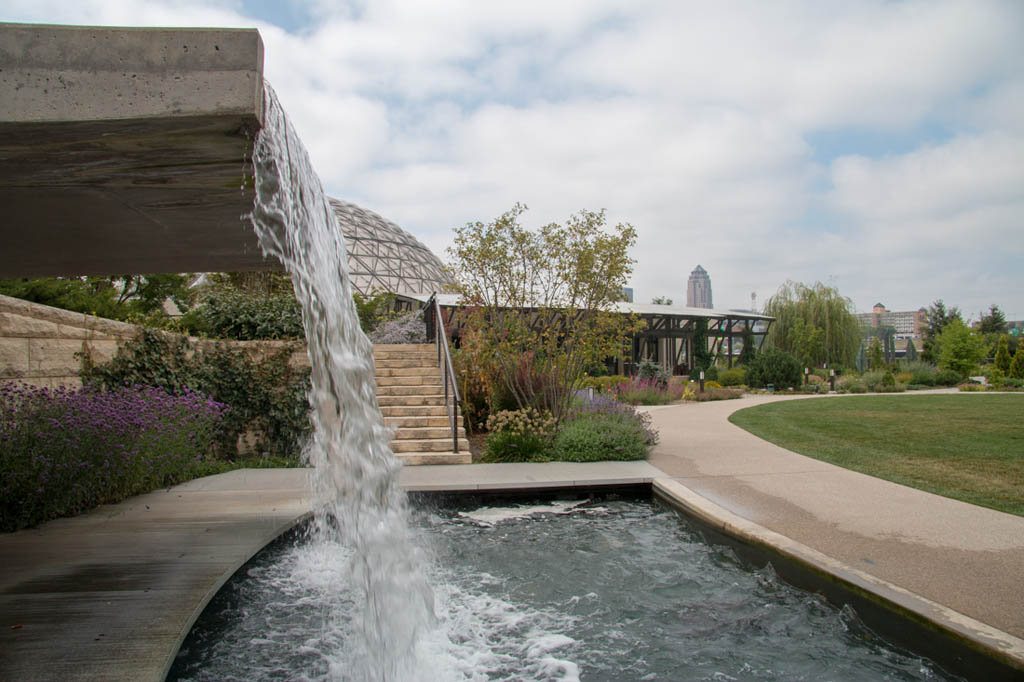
<point>427,445</point>
<point>393,400</point>
<point>401,347</point>
<point>404,362</point>
<point>416,380</point>
<point>412,371</point>
<point>426,432</point>
<point>418,421</point>
<point>410,391</point>
<point>400,411</point>
<point>417,458</point>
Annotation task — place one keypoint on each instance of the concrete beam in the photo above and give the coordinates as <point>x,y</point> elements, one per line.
<point>127,150</point>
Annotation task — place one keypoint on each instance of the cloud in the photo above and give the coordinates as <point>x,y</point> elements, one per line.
<point>696,122</point>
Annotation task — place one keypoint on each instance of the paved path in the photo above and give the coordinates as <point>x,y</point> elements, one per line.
<point>968,558</point>
<point>110,594</point>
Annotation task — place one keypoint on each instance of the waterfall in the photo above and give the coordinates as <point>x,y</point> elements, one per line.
<point>356,474</point>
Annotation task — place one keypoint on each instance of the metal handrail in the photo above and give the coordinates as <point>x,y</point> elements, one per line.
<point>441,341</point>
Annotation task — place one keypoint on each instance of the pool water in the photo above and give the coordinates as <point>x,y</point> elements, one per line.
<point>605,590</point>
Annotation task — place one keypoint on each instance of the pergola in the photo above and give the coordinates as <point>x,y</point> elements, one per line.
<point>669,330</point>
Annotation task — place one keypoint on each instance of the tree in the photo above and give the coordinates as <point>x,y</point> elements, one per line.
<point>661,300</point>
<point>776,367</point>
<point>876,359</point>
<point>701,355</point>
<point>120,297</point>
<point>994,322</point>
<point>936,319</point>
<point>1003,360</point>
<point>911,353</point>
<point>815,323</point>
<point>541,305</point>
<point>960,349</point>
<point>1017,366</point>
<point>749,351</point>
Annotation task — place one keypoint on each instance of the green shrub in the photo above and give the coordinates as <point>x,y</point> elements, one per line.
<point>922,377</point>
<point>735,376</point>
<point>773,366</point>
<point>946,377</point>
<point>591,440</point>
<point>245,315</point>
<point>519,436</point>
<point>604,429</point>
<point>713,394</point>
<point>267,397</point>
<point>969,387</point>
<point>648,392</point>
<point>604,384</point>
<point>648,369</point>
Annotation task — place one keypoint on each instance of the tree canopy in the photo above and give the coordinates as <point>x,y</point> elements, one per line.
<point>960,349</point>
<point>936,319</point>
<point>814,323</point>
<point>540,303</point>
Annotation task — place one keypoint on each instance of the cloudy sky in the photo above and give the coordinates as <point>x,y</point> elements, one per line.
<point>877,146</point>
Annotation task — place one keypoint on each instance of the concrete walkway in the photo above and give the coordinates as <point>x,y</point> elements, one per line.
<point>968,558</point>
<point>110,595</point>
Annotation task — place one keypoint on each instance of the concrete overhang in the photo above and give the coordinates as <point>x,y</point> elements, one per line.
<point>128,150</point>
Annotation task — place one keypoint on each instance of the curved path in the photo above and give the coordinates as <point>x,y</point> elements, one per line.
<point>110,594</point>
<point>964,557</point>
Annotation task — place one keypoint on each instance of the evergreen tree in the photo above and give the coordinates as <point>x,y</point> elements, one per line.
<point>749,350</point>
<point>701,355</point>
<point>911,353</point>
<point>1017,366</point>
<point>937,317</point>
<point>994,322</point>
<point>1003,360</point>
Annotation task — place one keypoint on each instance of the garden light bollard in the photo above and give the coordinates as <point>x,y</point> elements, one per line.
<point>702,381</point>
<point>832,380</point>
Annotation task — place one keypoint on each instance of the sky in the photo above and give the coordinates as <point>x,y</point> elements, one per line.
<point>875,146</point>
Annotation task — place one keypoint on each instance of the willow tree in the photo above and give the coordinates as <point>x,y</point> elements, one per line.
<point>814,323</point>
<point>540,306</point>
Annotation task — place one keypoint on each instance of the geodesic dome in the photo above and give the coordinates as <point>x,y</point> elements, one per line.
<point>384,257</point>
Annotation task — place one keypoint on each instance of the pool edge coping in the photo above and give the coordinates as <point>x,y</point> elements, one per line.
<point>986,640</point>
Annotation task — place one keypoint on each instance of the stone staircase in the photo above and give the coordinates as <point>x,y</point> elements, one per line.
<point>410,392</point>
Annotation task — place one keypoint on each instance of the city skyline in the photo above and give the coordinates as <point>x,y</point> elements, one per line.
<point>767,143</point>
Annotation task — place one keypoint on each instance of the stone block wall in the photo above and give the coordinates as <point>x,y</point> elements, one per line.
<point>39,344</point>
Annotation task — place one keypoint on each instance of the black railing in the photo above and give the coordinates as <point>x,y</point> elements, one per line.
<point>436,332</point>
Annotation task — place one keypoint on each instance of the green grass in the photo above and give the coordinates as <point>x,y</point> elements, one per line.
<point>967,447</point>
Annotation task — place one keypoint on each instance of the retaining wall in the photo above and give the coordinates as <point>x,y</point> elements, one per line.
<point>40,345</point>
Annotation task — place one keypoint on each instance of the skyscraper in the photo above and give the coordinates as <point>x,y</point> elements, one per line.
<point>698,289</point>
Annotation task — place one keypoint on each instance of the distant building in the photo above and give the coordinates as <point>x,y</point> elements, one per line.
<point>698,289</point>
<point>908,324</point>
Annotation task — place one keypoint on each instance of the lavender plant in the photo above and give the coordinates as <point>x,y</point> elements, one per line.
<point>63,451</point>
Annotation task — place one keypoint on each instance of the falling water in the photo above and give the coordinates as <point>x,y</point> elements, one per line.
<point>355,471</point>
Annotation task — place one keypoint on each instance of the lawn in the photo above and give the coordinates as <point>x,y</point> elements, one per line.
<point>967,447</point>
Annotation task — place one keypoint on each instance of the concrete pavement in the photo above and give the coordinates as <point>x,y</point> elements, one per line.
<point>111,594</point>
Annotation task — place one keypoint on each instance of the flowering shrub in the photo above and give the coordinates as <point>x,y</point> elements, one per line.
<point>641,391</point>
<point>63,451</point>
<point>267,397</point>
<point>519,436</point>
<point>604,429</point>
<point>406,328</point>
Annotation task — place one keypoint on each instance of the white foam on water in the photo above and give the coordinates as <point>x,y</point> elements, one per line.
<point>488,516</point>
